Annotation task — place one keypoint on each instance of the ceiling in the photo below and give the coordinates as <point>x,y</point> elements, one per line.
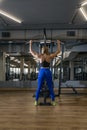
<point>37,14</point>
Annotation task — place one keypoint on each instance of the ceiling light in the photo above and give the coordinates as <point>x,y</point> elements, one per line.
<point>47,41</point>
<point>12,65</point>
<point>10,16</point>
<point>16,60</point>
<point>12,58</point>
<point>85,3</point>
<point>25,65</point>
<point>83,12</point>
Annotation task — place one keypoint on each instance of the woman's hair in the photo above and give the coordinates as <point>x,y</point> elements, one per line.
<point>45,50</point>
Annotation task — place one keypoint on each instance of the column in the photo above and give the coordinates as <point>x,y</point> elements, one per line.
<point>71,65</point>
<point>29,66</point>
<point>7,67</point>
<point>2,66</point>
<point>21,68</point>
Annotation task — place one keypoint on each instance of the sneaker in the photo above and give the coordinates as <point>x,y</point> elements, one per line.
<point>53,103</point>
<point>36,103</point>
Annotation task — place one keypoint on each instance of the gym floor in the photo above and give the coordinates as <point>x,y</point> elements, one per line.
<point>17,112</point>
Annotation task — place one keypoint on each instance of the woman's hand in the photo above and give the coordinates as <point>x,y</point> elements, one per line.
<point>31,41</point>
<point>58,41</point>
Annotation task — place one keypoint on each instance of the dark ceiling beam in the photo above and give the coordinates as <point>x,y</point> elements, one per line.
<point>4,23</point>
<point>53,26</point>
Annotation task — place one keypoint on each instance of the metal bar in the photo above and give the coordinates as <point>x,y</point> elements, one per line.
<point>44,36</point>
<point>61,66</point>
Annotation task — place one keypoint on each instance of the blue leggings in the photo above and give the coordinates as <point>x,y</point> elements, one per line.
<point>45,74</point>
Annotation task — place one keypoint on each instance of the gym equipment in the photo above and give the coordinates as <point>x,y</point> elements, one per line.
<point>44,90</point>
<point>69,83</point>
<point>45,94</point>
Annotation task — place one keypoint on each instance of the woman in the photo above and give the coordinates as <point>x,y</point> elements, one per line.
<point>45,74</point>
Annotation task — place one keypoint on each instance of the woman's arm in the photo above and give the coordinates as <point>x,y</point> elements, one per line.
<point>58,50</point>
<point>35,54</point>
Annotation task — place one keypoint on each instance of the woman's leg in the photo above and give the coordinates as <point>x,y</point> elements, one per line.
<point>40,82</point>
<point>50,83</point>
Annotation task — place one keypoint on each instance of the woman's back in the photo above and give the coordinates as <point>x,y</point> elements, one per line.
<point>45,58</point>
